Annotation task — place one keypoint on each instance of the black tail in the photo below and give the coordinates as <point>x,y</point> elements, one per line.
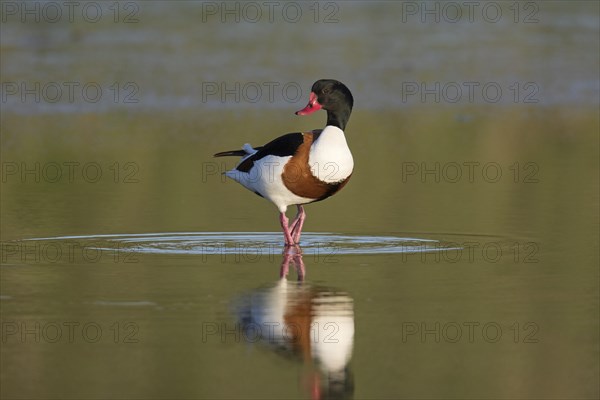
<point>239,153</point>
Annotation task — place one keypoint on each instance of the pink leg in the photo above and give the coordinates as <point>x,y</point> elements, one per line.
<point>298,224</point>
<point>296,219</point>
<point>286,230</point>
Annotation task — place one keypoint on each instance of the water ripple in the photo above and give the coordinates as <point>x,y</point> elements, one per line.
<point>247,242</point>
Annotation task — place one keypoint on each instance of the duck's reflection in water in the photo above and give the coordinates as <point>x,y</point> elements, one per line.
<point>312,324</point>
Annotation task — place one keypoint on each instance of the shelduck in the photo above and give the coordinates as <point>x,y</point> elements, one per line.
<point>302,167</point>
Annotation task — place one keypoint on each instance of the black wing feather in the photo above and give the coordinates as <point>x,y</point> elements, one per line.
<point>283,146</point>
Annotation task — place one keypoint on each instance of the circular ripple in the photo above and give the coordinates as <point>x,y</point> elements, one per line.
<point>247,242</point>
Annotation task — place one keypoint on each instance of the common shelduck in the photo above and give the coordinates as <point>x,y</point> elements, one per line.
<point>301,167</point>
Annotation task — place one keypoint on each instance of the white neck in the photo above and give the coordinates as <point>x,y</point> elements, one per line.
<point>330,158</point>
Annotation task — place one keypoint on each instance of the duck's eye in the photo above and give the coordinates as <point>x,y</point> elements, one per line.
<point>326,91</point>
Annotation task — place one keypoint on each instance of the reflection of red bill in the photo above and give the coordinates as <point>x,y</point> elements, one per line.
<point>313,105</point>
